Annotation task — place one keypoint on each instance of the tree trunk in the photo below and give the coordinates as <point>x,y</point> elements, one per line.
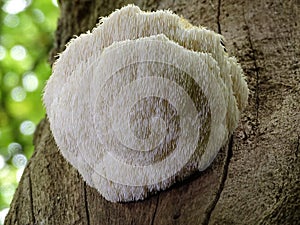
<point>254,180</point>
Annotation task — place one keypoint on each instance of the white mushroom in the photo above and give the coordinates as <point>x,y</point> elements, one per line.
<point>141,100</point>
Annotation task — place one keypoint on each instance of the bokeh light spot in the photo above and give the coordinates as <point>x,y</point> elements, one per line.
<point>18,94</point>
<point>19,160</point>
<point>3,214</point>
<point>54,2</point>
<point>2,52</point>
<point>19,174</point>
<point>18,52</point>
<point>11,20</point>
<point>39,16</point>
<point>30,82</point>
<point>2,162</point>
<point>15,6</point>
<point>14,148</point>
<point>27,127</point>
<point>11,79</point>
<point>7,191</point>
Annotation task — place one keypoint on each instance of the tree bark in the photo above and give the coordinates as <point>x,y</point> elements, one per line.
<point>255,178</point>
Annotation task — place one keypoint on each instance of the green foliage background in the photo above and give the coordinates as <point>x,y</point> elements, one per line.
<point>26,37</point>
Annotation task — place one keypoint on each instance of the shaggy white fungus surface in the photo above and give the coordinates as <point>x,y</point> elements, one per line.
<point>142,100</point>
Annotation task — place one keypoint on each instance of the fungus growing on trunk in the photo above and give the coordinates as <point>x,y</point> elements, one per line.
<point>142,101</point>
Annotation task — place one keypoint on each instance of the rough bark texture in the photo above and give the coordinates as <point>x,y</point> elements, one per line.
<point>254,180</point>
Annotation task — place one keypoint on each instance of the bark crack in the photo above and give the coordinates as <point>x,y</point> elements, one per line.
<point>213,204</point>
<point>155,211</point>
<point>256,69</point>
<point>218,17</point>
<point>228,157</point>
<point>298,146</point>
<point>31,198</point>
<point>86,204</point>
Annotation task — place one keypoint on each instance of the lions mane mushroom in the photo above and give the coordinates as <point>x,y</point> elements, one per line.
<point>142,101</point>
